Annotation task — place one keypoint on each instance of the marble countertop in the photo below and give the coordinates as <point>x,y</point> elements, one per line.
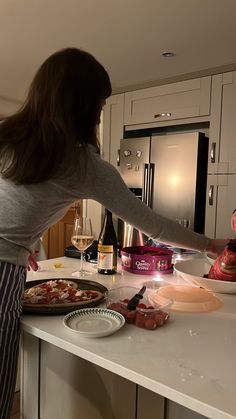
<point>191,360</point>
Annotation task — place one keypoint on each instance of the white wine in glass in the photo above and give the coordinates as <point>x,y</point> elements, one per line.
<point>82,237</point>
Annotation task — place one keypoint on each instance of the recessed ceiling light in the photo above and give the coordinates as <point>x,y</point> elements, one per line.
<point>168,54</point>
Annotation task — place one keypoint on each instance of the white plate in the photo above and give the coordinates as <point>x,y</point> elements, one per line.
<point>192,271</point>
<point>94,322</point>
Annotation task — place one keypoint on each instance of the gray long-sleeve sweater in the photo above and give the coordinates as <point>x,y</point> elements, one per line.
<point>26,211</point>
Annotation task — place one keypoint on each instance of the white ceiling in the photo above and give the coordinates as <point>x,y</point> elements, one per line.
<point>127,36</point>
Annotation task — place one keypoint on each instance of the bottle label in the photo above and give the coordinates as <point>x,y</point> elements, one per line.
<point>105,248</point>
<point>105,257</point>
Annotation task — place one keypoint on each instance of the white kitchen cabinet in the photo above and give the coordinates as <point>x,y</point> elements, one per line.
<point>174,101</point>
<point>66,386</point>
<point>220,203</point>
<point>176,411</point>
<point>153,406</point>
<point>93,210</point>
<point>149,405</point>
<point>113,125</point>
<point>221,185</point>
<point>110,133</point>
<point>228,123</point>
<point>30,371</point>
<point>58,385</point>
<point>222,147</point>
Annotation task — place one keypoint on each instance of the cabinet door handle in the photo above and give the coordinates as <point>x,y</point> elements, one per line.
<point>159,115</point>
<point>118,157</point>
<point>211,195</point>
<point>213,153</point>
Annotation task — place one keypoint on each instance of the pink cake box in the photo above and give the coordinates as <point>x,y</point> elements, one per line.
<point>146,260</point>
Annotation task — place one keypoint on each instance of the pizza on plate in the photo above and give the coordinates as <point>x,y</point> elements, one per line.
<point>59,292</point>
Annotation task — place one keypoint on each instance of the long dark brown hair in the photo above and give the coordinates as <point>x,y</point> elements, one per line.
<point>61,111</point>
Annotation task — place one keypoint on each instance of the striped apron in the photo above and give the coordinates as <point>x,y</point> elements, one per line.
<point>12,280</point>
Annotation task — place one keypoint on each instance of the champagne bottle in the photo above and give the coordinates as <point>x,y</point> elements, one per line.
<point>107,246</point>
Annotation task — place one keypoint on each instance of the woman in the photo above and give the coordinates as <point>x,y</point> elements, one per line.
<point>49,157</point>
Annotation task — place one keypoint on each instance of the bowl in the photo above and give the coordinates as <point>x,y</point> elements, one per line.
<point>145,315</point>
<point>192,271</point>
<point>186,298</point>
<point>147,260</point>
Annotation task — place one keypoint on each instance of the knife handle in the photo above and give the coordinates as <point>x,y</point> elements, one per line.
<point>142,291</point>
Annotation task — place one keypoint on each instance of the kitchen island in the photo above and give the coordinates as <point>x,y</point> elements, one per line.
<point>185,370</point>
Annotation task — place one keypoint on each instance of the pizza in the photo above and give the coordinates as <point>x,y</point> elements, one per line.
<point>59,292</point>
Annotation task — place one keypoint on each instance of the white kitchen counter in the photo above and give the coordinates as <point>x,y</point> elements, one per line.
<point>190,361</point>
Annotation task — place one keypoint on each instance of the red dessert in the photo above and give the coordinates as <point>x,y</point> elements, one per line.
<point>224,268</point>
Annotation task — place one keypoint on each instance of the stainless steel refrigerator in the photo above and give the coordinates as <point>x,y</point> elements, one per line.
<point>169,173</point>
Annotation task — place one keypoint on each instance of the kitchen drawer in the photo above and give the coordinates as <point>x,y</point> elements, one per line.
<point>186,99</point>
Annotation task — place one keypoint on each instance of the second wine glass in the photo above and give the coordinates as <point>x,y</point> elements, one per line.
<point>82,237</point>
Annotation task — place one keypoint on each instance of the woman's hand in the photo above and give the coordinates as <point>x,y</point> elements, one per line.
<point>233,221</point>
<point>32,262</point>
<point>216,246</point>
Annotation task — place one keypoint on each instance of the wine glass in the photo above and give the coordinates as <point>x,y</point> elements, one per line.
<point>82,238</point>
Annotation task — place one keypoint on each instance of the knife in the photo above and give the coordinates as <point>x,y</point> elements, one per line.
<point>133,302</point>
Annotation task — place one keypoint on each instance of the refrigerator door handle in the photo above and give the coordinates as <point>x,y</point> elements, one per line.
<point>145,183</point>
<point>211,195</point>
<point>150,184</point>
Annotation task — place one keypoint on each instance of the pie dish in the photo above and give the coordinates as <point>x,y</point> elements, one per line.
<point>186,298</point>
<point>47,297</point>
